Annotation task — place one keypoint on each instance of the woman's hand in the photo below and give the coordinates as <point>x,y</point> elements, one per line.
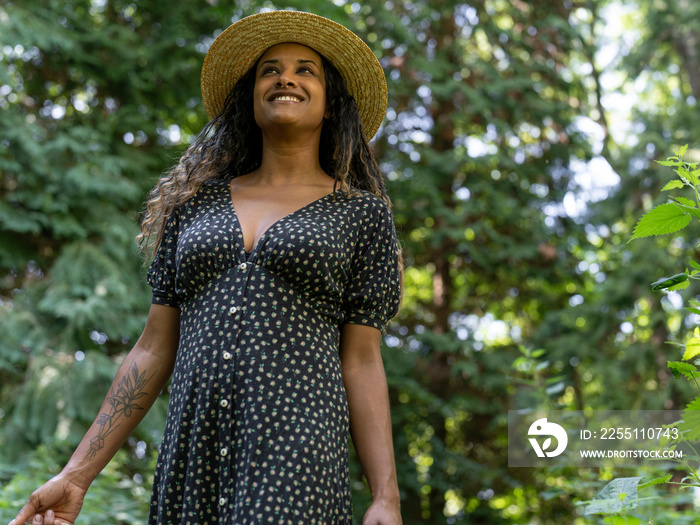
<point>57,502</point>
<point>382,513</point>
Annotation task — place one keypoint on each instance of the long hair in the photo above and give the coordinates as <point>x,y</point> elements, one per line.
<point>230,145</point>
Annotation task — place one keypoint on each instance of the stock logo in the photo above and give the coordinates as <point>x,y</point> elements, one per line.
<point>542,427</point>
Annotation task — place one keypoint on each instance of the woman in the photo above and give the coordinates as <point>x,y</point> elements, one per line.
<point>276,269</point>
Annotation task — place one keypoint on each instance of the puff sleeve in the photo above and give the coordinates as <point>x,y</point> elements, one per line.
<point>162,273</point>
<point>373,293</point>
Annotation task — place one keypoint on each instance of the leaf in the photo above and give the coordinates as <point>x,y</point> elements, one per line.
<point>620,494</point>
<point>680,286</point>
<point>546,444</point>
<point>666,282</point>
<point>686,202</point>
<point>690,424</point>
<point>681,151</point>
<point>692,210</point>
<point>692,348</point>
<point>673,185</point>
<point>689,176</point>
<point>665,218</point>
<point>694,264</point>
<point>669,162</point>
<point>678,367</point>
<point>656,481</point>
<point>625,520</point>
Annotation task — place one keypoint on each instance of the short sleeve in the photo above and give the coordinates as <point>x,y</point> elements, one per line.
<point>162,273</point>
<point>373,294</point>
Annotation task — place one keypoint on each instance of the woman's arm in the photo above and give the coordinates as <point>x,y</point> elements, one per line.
<point>138,383</point>
<point>370,421</point>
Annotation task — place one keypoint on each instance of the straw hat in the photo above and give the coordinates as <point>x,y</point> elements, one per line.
<point>237,49</point>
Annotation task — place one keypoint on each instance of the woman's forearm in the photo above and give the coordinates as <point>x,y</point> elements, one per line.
<point>370,427</point>
<point>137,384</point>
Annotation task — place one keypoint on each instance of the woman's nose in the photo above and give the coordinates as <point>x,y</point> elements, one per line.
<point>285,79</point>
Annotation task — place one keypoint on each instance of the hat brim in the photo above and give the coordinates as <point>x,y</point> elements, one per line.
<point>239,46</point>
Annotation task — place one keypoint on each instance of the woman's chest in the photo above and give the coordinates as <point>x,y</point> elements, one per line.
<point>311,244</point>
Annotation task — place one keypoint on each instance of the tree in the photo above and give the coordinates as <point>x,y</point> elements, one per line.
<point>490,103</point>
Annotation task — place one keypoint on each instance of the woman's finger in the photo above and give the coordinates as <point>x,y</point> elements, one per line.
<point>26,514</point>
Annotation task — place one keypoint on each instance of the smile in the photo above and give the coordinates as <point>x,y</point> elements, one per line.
<point>286,98</point>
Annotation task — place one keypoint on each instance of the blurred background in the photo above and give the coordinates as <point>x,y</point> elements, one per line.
<point>519,150</point>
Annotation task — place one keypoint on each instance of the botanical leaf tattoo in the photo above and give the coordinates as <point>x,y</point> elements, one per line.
<point>122,401</point>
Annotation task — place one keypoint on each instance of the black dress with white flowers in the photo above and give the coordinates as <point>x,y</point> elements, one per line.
<point>257,427</point>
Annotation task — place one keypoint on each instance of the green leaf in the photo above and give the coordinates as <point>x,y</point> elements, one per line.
<point>625,520</point>
<point>690,425</point>
<point>681,151</point>
<point>689,176</point>
<point>692,210</point>
<point>673,185</point>
<point>618,495</point>
<point>678,367</point>
<point>664,219</point>
<point>692,348</point>
<point>656,481</point>
<point>666,282</point>
<point>694,264</point>
<point>686,202</point>
<point>669,162</point>
<point>680,286</point>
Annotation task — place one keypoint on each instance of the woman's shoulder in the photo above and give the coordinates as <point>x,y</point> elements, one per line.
<point>207,190</point>
<point>367,202</point>
<point>215,184</point>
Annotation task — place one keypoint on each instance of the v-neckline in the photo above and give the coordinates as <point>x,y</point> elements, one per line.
<point>237,223</point>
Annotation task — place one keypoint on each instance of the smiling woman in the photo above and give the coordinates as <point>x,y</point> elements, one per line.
<point>290,94</point>
<point>276,269</point>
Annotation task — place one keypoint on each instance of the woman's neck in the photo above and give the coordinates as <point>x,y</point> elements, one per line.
<point>290,162</point>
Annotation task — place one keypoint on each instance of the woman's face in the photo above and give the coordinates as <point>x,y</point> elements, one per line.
<point>290,88</point>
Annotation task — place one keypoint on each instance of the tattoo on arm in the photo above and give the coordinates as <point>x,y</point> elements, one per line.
<point>122,402</point>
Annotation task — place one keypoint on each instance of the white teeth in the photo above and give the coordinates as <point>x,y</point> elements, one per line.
<point>287,98</point>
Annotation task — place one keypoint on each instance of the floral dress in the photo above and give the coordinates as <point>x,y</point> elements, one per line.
<point>257,426</point>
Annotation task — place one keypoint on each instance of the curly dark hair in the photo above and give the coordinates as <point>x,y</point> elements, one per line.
<point>230,145</point>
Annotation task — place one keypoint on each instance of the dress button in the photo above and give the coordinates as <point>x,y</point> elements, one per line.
<point>224,403</point>
<point>224,451</point>
<point>222,501</point>
<point>233,310</point>
<point>242,266</point>
<point>227,355</point>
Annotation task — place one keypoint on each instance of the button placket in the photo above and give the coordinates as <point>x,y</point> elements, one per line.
<point>229,366</point>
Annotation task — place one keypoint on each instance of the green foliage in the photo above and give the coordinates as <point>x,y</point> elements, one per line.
<point>115,498</point>
<point>480,144</point>
<point>665,218</point>
<point>620,495</point>
<point>673,216</point>
<point>690,425</point>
